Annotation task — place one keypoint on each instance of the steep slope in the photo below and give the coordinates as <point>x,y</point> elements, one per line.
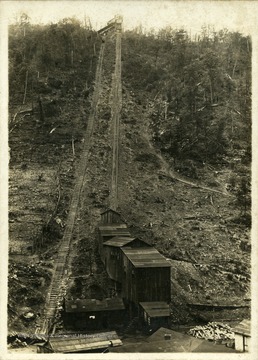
<point>191,209</point>
<point>184,222</point>
<point>194,222</point>
<point>46,139</point>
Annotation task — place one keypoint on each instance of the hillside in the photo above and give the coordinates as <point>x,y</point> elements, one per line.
<point>184,161</point>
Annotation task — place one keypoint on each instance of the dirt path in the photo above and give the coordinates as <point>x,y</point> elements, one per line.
<point>58,284</point>
<point>174,175</point>
<point>177,177</point>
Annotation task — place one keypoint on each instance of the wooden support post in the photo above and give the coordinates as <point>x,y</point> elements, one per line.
<point>41,110</point>
<point>72,57</point>
<point>211,92</point>
<point>25,88</point>
<point>73,146</point>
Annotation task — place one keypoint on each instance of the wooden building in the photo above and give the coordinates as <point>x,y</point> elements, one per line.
<point>87,343</point>
<point>110,216</point>
<point>107,232</point>
<point>92,314</point>
<point>243,336</point>
<point>165,340</point>
<point>154,314</point>
<point>112,254</point>
<point>146,276</point>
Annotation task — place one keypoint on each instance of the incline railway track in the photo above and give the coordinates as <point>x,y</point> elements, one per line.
<point>115,111</point>
<point>59,279</point>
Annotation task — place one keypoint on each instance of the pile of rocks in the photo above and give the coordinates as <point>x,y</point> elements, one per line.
<point>215,331</point>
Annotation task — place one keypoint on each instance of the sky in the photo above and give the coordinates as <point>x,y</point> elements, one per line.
<point>190,15</point>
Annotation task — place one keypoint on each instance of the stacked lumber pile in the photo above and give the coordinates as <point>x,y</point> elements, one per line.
<point>213,331</point>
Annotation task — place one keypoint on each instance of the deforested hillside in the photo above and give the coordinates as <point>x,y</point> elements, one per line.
<point>187,130</point>
<point>184,160</point>
<point>51,80</point>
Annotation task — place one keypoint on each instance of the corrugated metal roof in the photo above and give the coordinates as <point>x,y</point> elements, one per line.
<point>69,344</point>
<point>244,328</point>
<point>88,305</point>
<point>156,308</point>
<point>112,227</point>
<point>178,343</point>
<point>114,230</point>
<point>146,257</point>
<point>114,233</point>
<point>161,333</point>
<point>120,241</point>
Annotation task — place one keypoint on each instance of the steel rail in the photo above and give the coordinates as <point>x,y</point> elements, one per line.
<point>116,110</point>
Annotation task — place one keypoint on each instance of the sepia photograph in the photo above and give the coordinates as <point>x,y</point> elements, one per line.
<point>128,179</point>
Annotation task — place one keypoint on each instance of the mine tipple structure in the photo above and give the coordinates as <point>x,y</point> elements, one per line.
<point>146,276</point>
<point>139,272</point>
<point>112,255</point>
<point>111,217</point>
<point>107,232</point>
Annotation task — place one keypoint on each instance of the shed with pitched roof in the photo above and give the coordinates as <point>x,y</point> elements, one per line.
<point>154,314</point>
<point>97,342</point>
<point>243,335</point>
<point>93,314</point>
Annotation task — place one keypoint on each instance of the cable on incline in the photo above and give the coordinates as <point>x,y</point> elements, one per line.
<point>116,109</point>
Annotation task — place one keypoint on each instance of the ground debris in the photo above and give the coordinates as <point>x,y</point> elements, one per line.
<point>18,343</point>
<point>213,331</point>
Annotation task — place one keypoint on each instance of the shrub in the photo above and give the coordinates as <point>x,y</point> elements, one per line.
<point>187,168</point>
<point>149,158</point>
